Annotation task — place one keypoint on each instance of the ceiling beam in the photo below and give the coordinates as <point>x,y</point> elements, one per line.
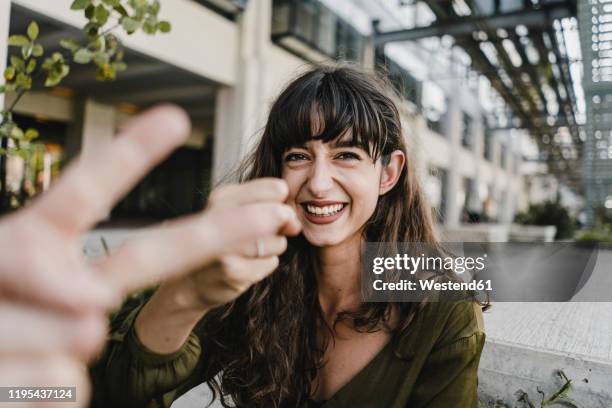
<point>461,26</point>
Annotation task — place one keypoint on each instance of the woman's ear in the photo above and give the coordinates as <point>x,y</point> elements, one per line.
<point>392,171</point>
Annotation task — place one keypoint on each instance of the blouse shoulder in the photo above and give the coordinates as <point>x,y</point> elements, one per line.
<point>453,321</point>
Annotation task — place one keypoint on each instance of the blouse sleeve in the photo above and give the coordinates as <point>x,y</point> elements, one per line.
<point>450,374</point>
<point>130,375</point>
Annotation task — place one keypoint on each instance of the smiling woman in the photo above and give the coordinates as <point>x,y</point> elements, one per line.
<point>302,335</point>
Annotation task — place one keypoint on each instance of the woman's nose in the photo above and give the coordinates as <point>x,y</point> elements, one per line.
<point>320,180</point>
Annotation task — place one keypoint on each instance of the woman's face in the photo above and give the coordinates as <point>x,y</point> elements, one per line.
<point>334,188</point>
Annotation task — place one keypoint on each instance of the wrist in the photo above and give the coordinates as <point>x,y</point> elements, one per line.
<point>178,298</point>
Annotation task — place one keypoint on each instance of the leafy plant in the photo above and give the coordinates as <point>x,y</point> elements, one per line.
<point>549,213</point>
<point>101,48</point>
<point>559,398</point>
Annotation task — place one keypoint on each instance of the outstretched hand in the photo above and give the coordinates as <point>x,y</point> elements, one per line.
<point>53,303</point>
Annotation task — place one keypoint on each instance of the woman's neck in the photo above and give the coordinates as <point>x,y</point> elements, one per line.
<point>338,277</point>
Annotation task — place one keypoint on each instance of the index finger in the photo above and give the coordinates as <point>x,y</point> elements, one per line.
<point>262,189</point>
<point>184,245</point>
<point>90,187</point>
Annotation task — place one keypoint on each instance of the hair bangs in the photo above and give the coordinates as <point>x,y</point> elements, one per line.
<point>325,106</point>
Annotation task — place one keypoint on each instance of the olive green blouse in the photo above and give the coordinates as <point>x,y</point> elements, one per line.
<point>438,369</point>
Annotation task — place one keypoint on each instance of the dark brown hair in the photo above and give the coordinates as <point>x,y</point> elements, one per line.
<point>265,342</point>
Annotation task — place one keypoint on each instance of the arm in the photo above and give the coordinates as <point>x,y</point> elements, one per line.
<point>153,350</point>
<point>128,374</point>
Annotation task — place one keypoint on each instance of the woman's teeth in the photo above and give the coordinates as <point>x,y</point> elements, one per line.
<point>324,211</point>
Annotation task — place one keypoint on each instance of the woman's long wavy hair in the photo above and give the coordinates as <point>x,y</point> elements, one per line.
<point>265,342</point>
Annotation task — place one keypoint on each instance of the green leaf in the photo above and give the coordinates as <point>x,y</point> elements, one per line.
<point>71,45</point>
<point>33,30</point>
<point>112,3</point>
<point>26,50</point>
<point>38,50</point>
<point>17,63</point>
<point>149,27</point>
<point>16,132</point>
<point>100,43</point>
<point>164,26</point>
<point>24,81</point>
<point>18,40</point>
<point>154,7</point>
<point>9,87</point>
<point>9,73</point>
<point>101,58</point>
<point>64,70</point>
<point>91,29</point>
<point>101,14</point>
<point>106,73</point>
<point>52,80</point>
<point>121,10</point>
<point>30,134</point>
<point>90,12</point>
<point>80,4</point>
<point>57,57</point>
<point>48,64</point>
<point>83,56</point>
<point>2,89</point>
<point>129,24</point>
<point>31,66</point>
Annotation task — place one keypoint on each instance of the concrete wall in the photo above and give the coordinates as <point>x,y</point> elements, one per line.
<point>201,41</point>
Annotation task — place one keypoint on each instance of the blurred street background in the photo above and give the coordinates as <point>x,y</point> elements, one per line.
<point>507,106</point>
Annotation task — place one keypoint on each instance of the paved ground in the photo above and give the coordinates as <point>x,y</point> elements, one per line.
<point>528,342</point>
<point>583,328</point>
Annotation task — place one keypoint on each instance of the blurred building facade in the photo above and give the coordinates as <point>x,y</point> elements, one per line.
<point>225,61</point>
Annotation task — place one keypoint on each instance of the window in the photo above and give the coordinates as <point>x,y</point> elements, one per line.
<point>434,106</point>
<point>312,31</point>
<point>488,144</point>
<point>503,160</point>
<point>467,138</point>
<point>435,189</point>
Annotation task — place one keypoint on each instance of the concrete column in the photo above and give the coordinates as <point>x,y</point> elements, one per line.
<point>99,123</point>
<point>451,128</point>
<point>227,146</point>
<point>239,111</point>
<point>369,54</point>
<point>416,129</point>
<point>478,151</point>
<point>507,204</point>
<point>5,20</point>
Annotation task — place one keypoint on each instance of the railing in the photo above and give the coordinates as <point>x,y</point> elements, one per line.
<point>312,31</point>
<point>227,8</point>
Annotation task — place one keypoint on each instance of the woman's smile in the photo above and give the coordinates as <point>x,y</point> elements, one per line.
<point>323,212</point>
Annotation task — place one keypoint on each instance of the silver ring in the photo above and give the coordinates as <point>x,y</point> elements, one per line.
<point>260,248</point>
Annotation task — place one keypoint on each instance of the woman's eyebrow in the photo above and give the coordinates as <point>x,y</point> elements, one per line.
<point>344,143</point>
<point>301,146</point>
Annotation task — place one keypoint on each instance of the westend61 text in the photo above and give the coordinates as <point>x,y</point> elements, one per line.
<point>475,285</point>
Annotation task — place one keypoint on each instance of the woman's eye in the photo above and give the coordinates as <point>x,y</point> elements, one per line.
<point>292,157</point>
<point>348,156</point>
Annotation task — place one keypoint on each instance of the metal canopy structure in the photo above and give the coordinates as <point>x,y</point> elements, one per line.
<point>487,30</point>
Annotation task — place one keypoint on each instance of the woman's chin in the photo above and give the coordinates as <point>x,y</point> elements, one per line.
<point>321,240</point>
